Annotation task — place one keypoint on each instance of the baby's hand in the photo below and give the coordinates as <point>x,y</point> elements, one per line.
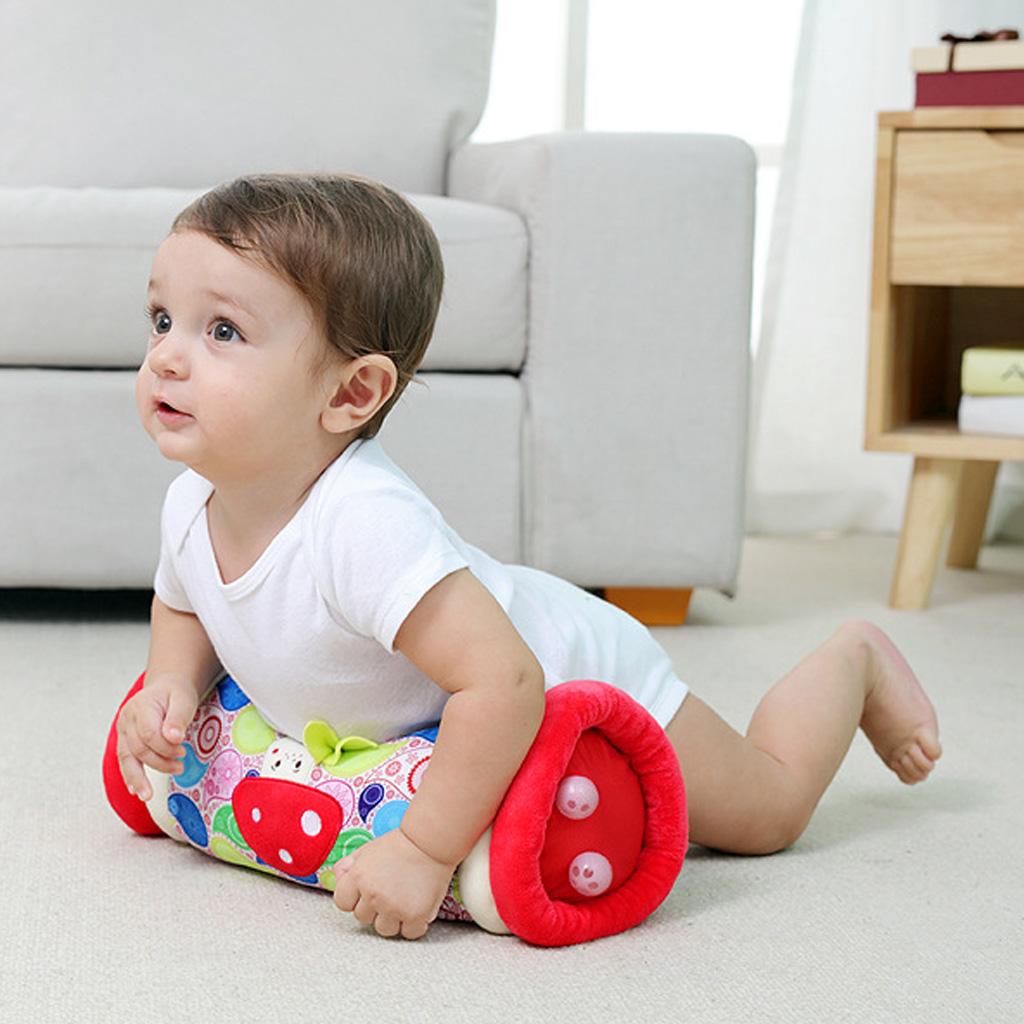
<point>391,884</point>
<point>149,730</point>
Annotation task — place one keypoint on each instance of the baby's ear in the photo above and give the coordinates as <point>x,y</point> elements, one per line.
<point>361,388</point>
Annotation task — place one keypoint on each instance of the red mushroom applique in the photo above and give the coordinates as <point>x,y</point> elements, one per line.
<point>290,826</point>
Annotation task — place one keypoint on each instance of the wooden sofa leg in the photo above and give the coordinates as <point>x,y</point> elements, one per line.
<point>653,606</point>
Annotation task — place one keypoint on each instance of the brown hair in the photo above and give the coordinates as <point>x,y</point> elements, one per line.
<point>364,257</point>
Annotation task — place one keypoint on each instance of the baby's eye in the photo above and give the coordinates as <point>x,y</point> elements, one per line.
<point>153,314</point>
<point>229,326</point>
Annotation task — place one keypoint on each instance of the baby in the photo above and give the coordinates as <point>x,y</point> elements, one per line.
<point>287,314</point>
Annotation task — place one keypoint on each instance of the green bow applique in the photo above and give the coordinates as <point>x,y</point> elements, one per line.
<point>327,747</point>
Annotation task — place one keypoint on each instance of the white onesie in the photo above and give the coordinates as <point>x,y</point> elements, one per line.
<point>308,631</point>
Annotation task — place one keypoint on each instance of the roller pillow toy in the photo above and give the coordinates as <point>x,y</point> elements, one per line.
<point>587,842</point>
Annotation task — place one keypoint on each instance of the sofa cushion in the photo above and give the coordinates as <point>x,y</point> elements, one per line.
<point>74,263</point>
<point>83,484</point>
<point>123,94</point>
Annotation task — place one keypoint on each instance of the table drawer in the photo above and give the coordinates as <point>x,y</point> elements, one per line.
<point>958,208</point>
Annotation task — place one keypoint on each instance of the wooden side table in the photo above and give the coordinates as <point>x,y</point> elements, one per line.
<point>947,274</point>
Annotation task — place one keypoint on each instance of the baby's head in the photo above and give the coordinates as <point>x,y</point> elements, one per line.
<point>364,260</point>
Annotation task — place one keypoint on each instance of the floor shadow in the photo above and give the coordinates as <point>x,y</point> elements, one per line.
<point>704,884</point>
<point>46,604</point>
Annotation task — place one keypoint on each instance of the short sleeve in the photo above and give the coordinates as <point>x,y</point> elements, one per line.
<point>166,583</point>
<point>384,550</point>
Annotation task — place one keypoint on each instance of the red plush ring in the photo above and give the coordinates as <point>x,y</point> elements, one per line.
<point>520,826</point>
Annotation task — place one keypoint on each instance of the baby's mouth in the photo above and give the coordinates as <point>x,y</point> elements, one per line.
<point>168,409</point>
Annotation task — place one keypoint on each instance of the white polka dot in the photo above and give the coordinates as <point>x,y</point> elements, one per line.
<point>256,814</point>
<point>285,856</point>
<point>311,824</point>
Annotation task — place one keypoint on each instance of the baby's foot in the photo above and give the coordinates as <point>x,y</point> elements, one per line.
<point>898,718</point>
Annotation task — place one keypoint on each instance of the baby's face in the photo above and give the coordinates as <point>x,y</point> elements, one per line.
<point>230,348</point>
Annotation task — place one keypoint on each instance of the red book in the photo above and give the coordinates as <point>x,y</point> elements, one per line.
<point>971,89</point>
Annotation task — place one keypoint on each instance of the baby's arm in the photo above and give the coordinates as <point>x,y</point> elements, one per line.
<point>182,664</point>
<point>461,638</point>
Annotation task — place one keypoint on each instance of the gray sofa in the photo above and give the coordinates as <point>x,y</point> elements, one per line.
<point>586,401</point>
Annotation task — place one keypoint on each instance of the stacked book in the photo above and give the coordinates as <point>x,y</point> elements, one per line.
<point>992,386</point>
<point>986,70</point>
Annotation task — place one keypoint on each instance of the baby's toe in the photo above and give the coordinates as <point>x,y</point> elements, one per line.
<point>921,760</point>
<point>930,745</point>
<point>907,770</point>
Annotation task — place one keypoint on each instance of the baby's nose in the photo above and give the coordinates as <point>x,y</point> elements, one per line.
<point>167,356</point>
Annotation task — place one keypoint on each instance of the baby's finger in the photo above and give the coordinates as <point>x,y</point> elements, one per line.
<point>138,748</point>
<point>346,893</point>
<point>414,929</point>
<point>133,775</point>
<point>363,911</point>
<point>149,732</point>
<point>167,765</point>
<point>387,926</point>
<point>179,713</point>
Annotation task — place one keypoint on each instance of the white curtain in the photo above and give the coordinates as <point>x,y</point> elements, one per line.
<point>809,472</point>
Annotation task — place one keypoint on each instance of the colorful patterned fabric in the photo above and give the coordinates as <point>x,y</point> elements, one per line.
<point>253,797</point>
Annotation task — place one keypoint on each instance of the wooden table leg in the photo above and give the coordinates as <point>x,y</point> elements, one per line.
<point>977,479</point>
<point>930,500</point>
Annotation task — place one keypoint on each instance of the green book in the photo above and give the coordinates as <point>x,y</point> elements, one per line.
<point>992,371</point>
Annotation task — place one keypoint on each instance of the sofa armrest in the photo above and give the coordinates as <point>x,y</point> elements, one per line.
<point>637,369</point>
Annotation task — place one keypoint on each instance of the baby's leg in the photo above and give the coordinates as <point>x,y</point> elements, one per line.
<point>756,794</point>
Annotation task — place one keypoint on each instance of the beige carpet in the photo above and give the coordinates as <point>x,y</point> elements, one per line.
<point>898,904</point>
